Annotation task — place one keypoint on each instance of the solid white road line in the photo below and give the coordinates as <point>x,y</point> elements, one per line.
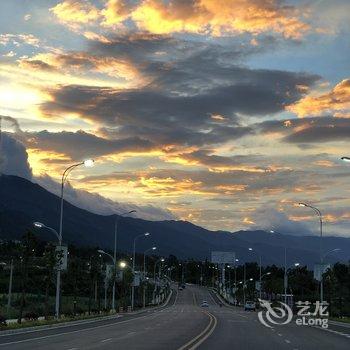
<point>104,340</point>
<point>77,331</point>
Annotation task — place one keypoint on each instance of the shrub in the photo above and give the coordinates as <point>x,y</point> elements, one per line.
<point>3,321</point>
<point>31,316</point>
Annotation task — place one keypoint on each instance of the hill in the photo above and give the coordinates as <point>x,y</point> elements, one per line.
<point>23,202</point>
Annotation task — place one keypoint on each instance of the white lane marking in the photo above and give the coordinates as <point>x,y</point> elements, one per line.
<point>78,330</point>
<point>333,331</point>
<point>104,340</point>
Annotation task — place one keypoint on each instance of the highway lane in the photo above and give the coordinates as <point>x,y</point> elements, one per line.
<point>183,325</point>
<point>237,329</point>
<point>169,328</point>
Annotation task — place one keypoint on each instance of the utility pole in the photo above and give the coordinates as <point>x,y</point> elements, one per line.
<point>10,287</point>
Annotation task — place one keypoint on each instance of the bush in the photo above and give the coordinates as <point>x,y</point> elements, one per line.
<point>31,316</point>
<point>79,310</point>
<point>3,321</point>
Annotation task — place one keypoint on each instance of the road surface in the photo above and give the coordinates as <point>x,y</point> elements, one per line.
<point>182,325</point>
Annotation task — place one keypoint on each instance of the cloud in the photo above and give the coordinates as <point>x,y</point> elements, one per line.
<point>335,101</point>
<point>218,18</point>
<point>100,205</point>
<point>73,12</point>
<point>268,218</point>
<point>215,18</point>
<point>81,62</point>
<point>13,157</point>
<point>81,145</point>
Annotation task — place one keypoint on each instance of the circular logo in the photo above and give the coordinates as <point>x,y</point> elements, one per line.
<point>274,315</point>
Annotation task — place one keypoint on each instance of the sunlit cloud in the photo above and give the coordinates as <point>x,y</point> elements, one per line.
<point>335,101</point>
<point>215,18</point>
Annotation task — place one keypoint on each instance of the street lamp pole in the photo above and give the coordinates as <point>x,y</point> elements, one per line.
<point>118,218</point>
<point>87,163</point>
<point>144,274</point>
<point>59,237</point>
<point>154,274</point>
<point>133,268</point>
<point>252,250</point>
<point>319,214</point>
<point>10,288</point>
<point>244,283</point>
<point>114,267</point>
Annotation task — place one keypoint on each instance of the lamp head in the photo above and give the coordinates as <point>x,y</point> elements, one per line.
<point>162,259</point>
<point>89,163</point>
<point>302,205</point>
<point>154,248</point>
<point>101,251</point>
<point>147,234</point>
<point>250,249</point>
<point>296,264</point>
<point>38,224</point>
<point>345,159</point>
<point>122,264</point>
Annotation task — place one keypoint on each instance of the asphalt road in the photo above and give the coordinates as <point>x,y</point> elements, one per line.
<point>182,325</point>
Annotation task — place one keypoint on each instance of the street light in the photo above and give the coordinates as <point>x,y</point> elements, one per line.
<point>154,274</point>
<point>118,218</point>
<point>59,237</point>
<point>319,214</point>
<point>146,234</point>
<point>144,273</point>
<point>345,159</point>
<point>144,259</point>
<point>123,264</point>
<point>252,250</point>
<point>114,266</point>
<point>86,163</point>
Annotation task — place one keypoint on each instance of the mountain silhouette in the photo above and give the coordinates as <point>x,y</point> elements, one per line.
<point>23,202</point>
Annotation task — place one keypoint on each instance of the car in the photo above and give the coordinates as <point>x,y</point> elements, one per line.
<point>249,306</point>
<point>204,304</point>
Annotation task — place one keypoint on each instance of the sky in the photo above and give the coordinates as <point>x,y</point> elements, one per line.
<point>224,113</point>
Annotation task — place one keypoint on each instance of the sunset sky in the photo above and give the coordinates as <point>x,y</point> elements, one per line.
<point>220,112</point>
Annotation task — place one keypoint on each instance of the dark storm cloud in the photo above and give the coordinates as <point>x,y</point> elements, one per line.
<point>308,130</point>
<point>207,158</point>
<point>337,131</point>
<point>80,145</point>
<point>252,93</point>
<point>14,157</point>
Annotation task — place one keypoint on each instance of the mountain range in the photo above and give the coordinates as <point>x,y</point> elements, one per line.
<point>23,202</point>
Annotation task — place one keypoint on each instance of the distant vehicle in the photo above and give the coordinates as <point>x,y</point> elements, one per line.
<point>204,304</point>
<point>180,288</point>
<point>249,306</point>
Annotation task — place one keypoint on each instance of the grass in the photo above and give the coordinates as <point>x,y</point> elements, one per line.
<point>50,321</point>
<point>342,319</point>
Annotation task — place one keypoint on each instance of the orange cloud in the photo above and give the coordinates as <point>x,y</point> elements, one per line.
<point>216,18</point>
<point>220,17</point>
<point>336,101</point>
<point>115,12</point>
<point>75,12</point>
<point>80,61</point>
